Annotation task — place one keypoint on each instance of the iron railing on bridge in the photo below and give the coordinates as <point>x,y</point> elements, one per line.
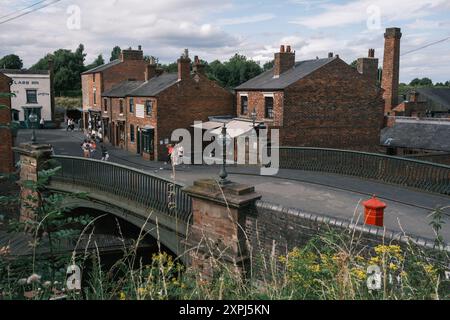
<point>422,175</point>
<point>135,185</point>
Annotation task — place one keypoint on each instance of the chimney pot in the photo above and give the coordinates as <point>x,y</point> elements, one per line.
<point>282,49</point>
<point>330,55</point>
<point>371,53</point>
<point>140,48</point>
<point>288,49</point>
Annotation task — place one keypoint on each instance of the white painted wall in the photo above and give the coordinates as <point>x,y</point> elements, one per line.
<point>40,82</point>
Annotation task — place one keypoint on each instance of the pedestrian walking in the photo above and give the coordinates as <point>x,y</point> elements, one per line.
<point>86,149</point>
<point>169,152</point>
<point>105,154</point>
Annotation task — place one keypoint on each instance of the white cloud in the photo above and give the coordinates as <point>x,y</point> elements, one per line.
<point>357,11</point>
<point>246,19</point>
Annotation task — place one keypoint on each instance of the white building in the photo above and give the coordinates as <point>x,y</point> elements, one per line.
<point>32,91</point>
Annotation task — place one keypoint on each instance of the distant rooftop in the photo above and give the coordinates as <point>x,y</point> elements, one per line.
<point>103,67</point>
<point>122,89</point>
<point>418,134</point>
<point>267,81</point>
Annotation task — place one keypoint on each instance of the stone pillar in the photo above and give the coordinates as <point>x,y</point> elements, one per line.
<point>218,230</point>
<point>32,159</point>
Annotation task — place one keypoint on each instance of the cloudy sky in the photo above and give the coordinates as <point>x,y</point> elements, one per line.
<point>216,29</point>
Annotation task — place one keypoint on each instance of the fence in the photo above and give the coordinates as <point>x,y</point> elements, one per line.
<point>422,175</point>
<point>128,183</point>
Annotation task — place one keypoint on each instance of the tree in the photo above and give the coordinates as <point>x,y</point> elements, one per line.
<point>11,61</point>
<point>68,66</point>
<point>447,84</point>
<point>233,72</point>
<point>268,65</point>
<point>98,62</point>
<point>426,82</point>
<point>115,53</point>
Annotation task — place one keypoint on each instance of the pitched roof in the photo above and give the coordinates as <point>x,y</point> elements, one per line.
<point>24,71</point>
<point>103,67</point>
<point>142,88</point>
<point>267,81</point>
<point>122,89</point>
<point>155,85</point>
<point>418,134</point>
<point>439,96</point>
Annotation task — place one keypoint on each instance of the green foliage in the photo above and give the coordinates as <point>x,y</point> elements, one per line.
<point>11,61</point>
<point>68,66</point>
<point>233,72</point>
<point>98,62</point>
<point>424,82</point>
<point>115,53</point>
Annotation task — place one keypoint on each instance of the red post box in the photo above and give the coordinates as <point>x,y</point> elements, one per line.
<point>374,212</point>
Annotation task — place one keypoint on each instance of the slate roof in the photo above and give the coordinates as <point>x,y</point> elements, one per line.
<point>439,96</point>
<point>149,88</point>
<point>155,85</point>
<point>103,67</point>
<point>266,81</point>
<point>424,135</point>
<point>24,71</point>
<point>122,89</point>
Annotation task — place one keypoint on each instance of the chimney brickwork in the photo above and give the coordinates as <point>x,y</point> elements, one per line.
<point>369,66</point>
<point>391,68</point>
<point>184,66</point>
<point>284,60</point>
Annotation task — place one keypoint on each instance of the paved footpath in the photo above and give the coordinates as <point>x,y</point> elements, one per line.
<point>333,195</point>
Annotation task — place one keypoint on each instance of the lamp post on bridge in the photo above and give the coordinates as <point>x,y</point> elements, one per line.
<point>225,140</point>
<point>33,120</point>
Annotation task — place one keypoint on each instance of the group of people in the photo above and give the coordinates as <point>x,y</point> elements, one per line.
<point>89,146</point>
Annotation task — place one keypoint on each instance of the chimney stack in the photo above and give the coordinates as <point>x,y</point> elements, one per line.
<point>330,55</point>
<point>199,67</point>
<point>414,96</point>
<point>391,68</point>
<point>130,54</point>
<point>368,67</point>
<point>284,60</point>
<point>150,69</point>
<point>184,66</point>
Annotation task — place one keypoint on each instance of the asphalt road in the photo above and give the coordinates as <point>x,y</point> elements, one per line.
<point>407,210</point>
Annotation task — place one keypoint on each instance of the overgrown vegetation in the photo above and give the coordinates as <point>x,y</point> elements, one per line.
<point>330,266</point>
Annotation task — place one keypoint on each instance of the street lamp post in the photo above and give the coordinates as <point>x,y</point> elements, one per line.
<point>224,139</point>
<point>33,120</point>
<point>253,115</point>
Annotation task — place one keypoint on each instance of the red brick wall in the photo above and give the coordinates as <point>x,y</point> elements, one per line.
<point>128,69</point>
<point>334,107</point>
<point>6,144</point>
<point>256,102</point>
<point>188,101</point>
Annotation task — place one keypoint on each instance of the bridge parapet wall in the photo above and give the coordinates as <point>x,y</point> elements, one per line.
<point>274,228</point>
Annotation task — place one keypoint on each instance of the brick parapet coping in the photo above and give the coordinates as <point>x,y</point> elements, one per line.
<point>371,231</point>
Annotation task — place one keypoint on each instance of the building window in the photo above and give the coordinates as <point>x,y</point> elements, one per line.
<point>121,106</point>
<point>269,107</point>
<point>148,107</point>
<point>131,133</point>
<point>15,115</point>
<point>32,96</point>
<point>105,103</point>
<point>244,105</point>
<point>95,96</point>
<point>131,105</point>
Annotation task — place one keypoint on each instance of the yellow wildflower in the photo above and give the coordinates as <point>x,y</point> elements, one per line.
<point>122,296</point>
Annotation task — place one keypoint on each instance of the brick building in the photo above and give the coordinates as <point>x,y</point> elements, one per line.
<point>94,82</point>
<point>6,137</point>
<point>144,113</point>
<point>317,103</point>
<point>425,102</point>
